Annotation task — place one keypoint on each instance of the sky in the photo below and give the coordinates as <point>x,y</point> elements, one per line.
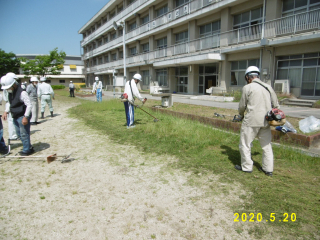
<point>39,26</point>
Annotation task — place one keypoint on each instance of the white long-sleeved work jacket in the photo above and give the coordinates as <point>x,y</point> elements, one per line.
<point>45,89</point>
<point>135,91</point>
<point>257,101</point>
<point>97,86</point>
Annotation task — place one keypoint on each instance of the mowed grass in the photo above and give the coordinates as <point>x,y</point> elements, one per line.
<point>294,188</point>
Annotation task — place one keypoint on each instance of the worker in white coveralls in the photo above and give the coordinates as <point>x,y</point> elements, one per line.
<point>3,148</point>
<point>132,91</point>
<point>257,101</point>
<point>45,94</point>
<point>32,90</point>
<point>97,87</point>
<point>20,107</point>
<point>11,128</point>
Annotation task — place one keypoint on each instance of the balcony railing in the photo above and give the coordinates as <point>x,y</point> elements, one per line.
<point>295,24</point>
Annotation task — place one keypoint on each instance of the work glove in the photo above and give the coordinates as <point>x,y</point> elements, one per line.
<point>144,100</point>
<point>237,118</point>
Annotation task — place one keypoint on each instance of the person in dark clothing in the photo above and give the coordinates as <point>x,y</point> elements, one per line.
<point>71,89</point>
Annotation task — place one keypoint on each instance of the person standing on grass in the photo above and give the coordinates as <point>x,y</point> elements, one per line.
<point>20,107</point>
<point>32,90</point>
<point>71,89</point>
<point>132,91</point>
<point>45,93</point>
<point>97,87</point>
<point>257,101</point>
<point>3,148</point>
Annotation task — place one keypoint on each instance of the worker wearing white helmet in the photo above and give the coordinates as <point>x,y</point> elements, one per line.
<point>71,89</point>
<point>32,90</point>
<point>3,147</point>
<point>257,99</point>
<point>97,88</point>
<point>19,105</point>
<point>11,128</point>
<point>45,94</point>
<point>132,91</point>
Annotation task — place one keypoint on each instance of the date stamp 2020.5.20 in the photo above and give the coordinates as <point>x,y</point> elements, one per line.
<point>251,217</point>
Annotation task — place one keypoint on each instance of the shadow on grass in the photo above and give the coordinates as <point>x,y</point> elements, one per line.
<point>235,157</point>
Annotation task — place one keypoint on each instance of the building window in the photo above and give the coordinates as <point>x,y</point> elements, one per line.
<point>132,26</point>
<point>246,19</point>
<point>99,43</point>
<point>94,45</point>
<point>162,43</point>
<point>144,20</point>
<point>145,77</point>
<point>48,81</point>
<point>120,32</point>
<point>208,77</point>
<point>302,70</point>
<point>238,69</point>
<point>113,57</point>
<point>120,55</point>
<point>113,36</point>
<point>112,14</point>
<point>131,1</point>
<point>162,77</point>
<point>120,9</point>
<point>162,11</point>
<point>210,29</point>
<point>182,37</point>
<point>290,7</point>
<point>62,81</point>
<point>106,39</point>
<point>181,2</point>
<point>145,47</point>
<point>133,51</point>
<point>106,59</point>
<point>98,25</point>
<point>100,61</point>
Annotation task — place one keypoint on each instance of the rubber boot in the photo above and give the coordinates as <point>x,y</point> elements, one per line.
<point>51,114</point>
<point>42,115</point>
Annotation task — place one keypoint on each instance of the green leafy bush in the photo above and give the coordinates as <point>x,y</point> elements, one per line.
<point>316,104</point>
<point>54,87</point>
<point>237,96</point>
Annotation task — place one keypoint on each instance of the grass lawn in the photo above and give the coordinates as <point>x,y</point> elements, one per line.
<point>291,194</point>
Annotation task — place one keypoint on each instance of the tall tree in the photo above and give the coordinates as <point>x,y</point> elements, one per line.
<point>44,65</point>
<point>8,63</point>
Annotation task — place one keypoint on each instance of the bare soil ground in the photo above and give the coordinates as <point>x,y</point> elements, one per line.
<point>110,191</point>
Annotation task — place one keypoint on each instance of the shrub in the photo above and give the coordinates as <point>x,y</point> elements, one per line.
<point>54,87</point>
<point>316,104</point>
<point>237,96</point>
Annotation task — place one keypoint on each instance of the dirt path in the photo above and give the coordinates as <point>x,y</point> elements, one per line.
<point>106,193</point>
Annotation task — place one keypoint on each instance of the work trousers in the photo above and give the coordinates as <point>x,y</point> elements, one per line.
<point>34,110</point>
<point>23,131</point>
<point>3,146</point>
<point>11,128</point>
<point>247,135</point>
<point>71,92</point>
<point>129,108</point>
<point>46,99</point>
<point>99,95</point>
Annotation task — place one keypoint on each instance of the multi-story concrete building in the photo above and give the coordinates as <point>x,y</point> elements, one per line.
<point>72,71</point>
<point>189,46</point>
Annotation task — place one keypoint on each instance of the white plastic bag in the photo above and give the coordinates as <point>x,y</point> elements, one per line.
<point>289,128</point>
<point>309,124</point>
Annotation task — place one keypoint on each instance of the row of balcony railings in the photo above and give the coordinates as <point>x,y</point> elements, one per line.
<point>295,24</point>
<point>289,25</point>
<point>157,22</point>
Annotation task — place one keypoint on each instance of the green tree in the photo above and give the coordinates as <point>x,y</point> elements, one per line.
<point>8,63</point>
<point>44,65</point>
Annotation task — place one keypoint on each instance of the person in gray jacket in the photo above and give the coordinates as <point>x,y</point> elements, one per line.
<point>32,90</point>
<point>257,99</point>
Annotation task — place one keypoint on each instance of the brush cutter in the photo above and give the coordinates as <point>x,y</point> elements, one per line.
<point>50,158</point>
<point>140,107</point>
<point>236,118</point>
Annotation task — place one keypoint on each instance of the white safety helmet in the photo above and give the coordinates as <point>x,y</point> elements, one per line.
<point>252,70</point>
<point>70,81</point>
<point>137,76</point>
<point>2,78</point>
<point>8,81</point>
<point>34,79</point>
<point>96,78</point>
<point>43,79</point>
